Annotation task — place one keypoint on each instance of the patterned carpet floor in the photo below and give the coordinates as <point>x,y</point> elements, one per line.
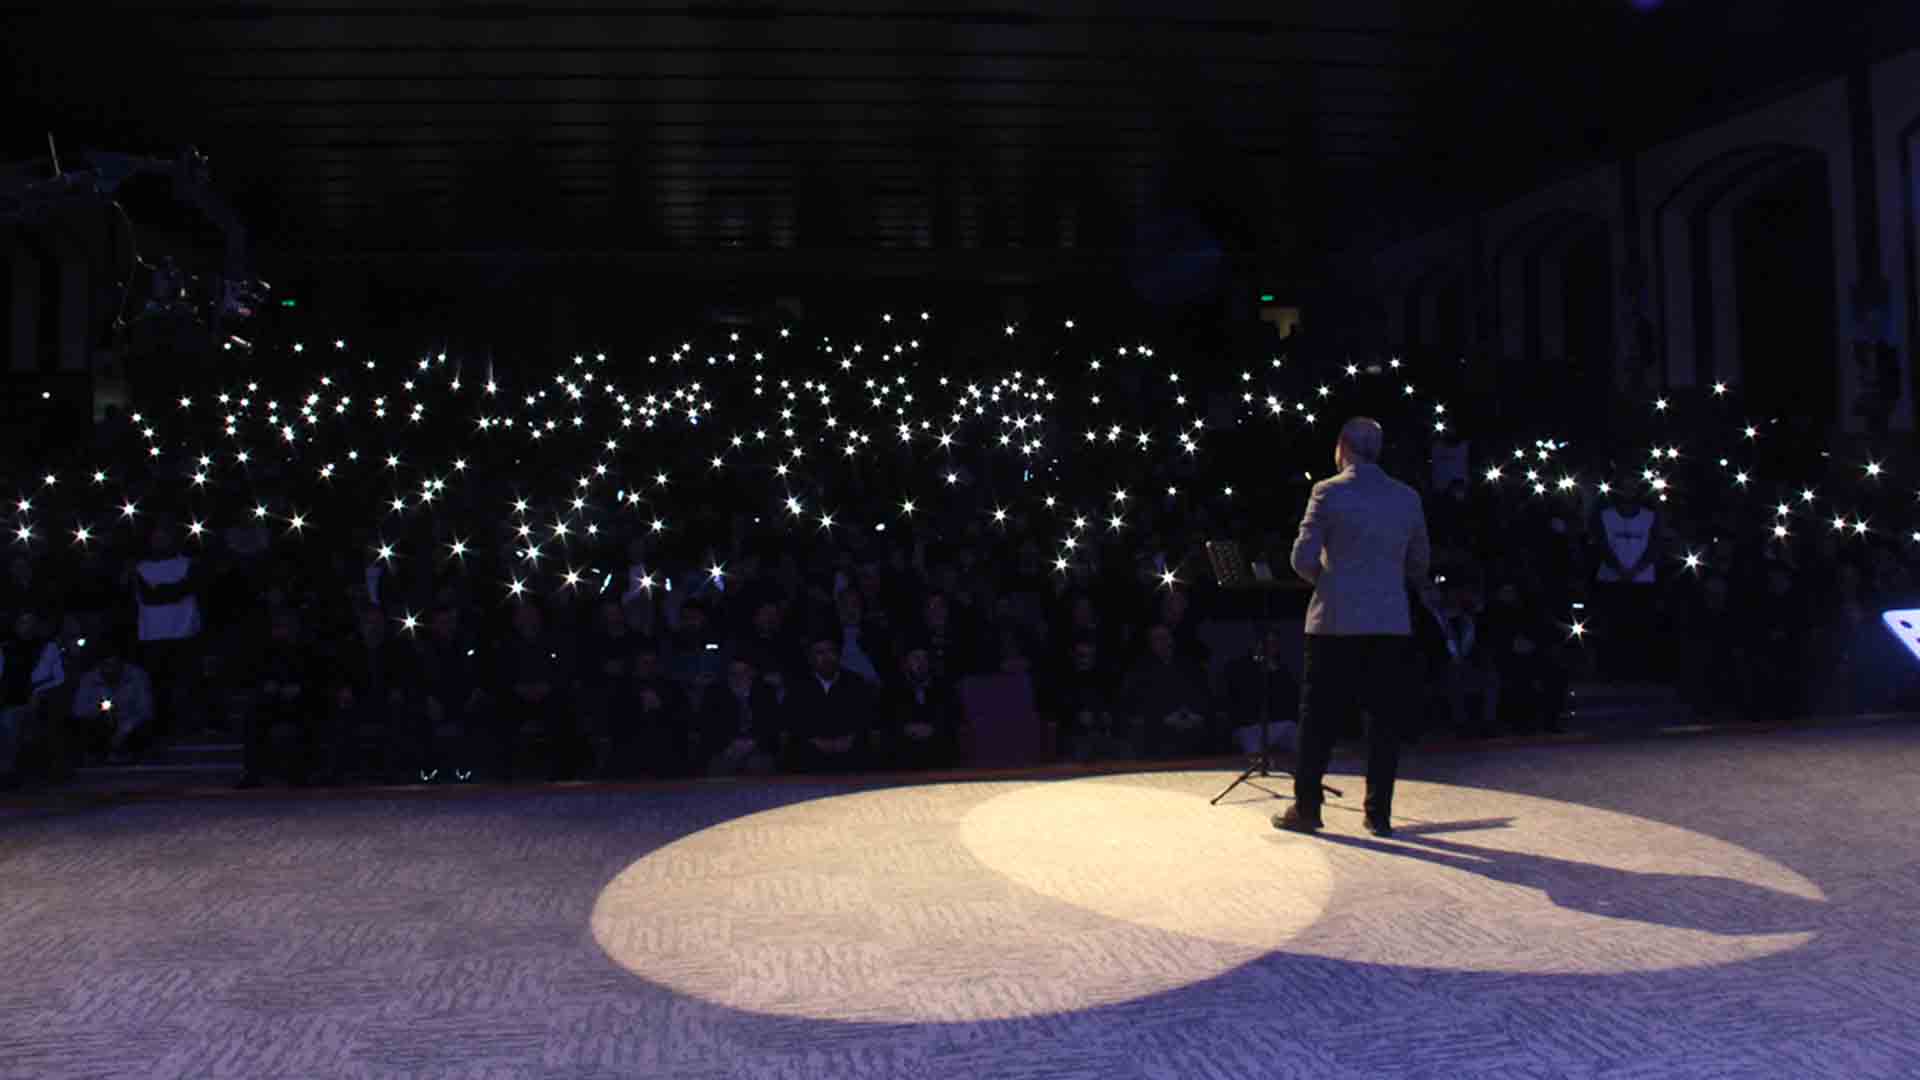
<point>1716,907</point>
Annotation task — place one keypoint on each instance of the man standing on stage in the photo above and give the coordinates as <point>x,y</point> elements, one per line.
<point>1363,540</point>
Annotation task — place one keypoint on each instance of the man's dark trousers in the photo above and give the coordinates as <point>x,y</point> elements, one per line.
<point>1374,672</point>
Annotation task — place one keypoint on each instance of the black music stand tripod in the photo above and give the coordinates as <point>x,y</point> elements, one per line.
<point>1231,570</point>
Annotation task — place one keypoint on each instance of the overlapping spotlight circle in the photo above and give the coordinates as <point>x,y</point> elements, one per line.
<point>967,902</point>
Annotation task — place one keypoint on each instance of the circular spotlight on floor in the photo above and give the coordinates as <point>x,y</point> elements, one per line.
<point>959,902</point>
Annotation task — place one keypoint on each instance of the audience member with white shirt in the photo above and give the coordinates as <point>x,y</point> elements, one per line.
<point>166,591</point>
<point>1627,539</point>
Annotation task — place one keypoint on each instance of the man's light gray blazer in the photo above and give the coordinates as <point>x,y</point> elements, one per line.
<point>1363,537</point>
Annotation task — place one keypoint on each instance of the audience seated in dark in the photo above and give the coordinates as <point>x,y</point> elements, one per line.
<point>923,717</point>
<point>1855,655</point>
<point>26,589</point>
<point>454,680</point>
<point>286,683</point>
<point>740,725</point>
<point>1466,678</point>
<point>532,674</point>
<point>1168,702</point>
<point>1172,610</point>
<point>1778,638</point>
<point>880,602</point>
<point>113,707</point>
<point>652,721</point>
<point>830,711</point>
<point>1083,622</point>
<point>952,649</point>
<point>1082,707</point>
<point>698,654</point>
<point>1524,646</point>
<point>861,651</point>
<point>1259,685</point>
<point>606,663</point>
<point>31,671</point>
<point>376,688</point>
<point>1715,664</point>
<point>774,653</point>
<point>1769,628</point>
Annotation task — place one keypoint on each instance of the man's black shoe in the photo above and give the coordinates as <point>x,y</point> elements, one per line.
<point>1295,821</point>
<point>1379,827</point>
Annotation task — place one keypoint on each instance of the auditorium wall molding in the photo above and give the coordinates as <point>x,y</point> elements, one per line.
<point>1703,235</point>
<point>1896,89</point>
<point>54,277</point>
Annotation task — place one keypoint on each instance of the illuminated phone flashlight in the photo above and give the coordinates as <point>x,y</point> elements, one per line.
<point>106,704</point>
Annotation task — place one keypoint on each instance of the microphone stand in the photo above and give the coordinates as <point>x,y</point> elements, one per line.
<point>1261,765</point>
<point>1230,569</point>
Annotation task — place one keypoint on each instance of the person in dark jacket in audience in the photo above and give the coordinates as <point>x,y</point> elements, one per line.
<point>26,589</point>
<point>1084,623</point>
<point>651,724</point>
<point>773,652</point>
<point>453,680</point>
<point>606,663</point>
<point>1083,705</point>
<point>1173,611</point>
<point>860,653</point>
<point>739,724</point>
<point>923,717</point>
<point>113,707</point>
<point>952,647</point>
<point>1777,636</point>
<point>31,670</point>
<point>831,711</point>
<point>1522,643</point>
<point>1169,701</point>
<point>376,686</point>
<point>286,679</point>
<point>532,674</point>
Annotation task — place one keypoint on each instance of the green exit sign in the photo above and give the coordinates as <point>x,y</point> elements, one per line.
<point>1266,298</point>
<point>289,303</point>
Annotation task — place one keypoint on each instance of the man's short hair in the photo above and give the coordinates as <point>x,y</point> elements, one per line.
<point>1362,436</point>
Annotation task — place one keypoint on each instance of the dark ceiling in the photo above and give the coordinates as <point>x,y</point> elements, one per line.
<point>870,130</point>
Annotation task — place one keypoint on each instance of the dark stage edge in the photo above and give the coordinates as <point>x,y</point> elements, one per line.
<point>1644,908</point>
<point>219,784</point>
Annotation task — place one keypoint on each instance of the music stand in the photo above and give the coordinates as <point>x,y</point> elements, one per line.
<point>1231,571</point>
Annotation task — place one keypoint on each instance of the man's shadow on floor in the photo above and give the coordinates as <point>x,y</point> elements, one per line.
<point>1717,905</point>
